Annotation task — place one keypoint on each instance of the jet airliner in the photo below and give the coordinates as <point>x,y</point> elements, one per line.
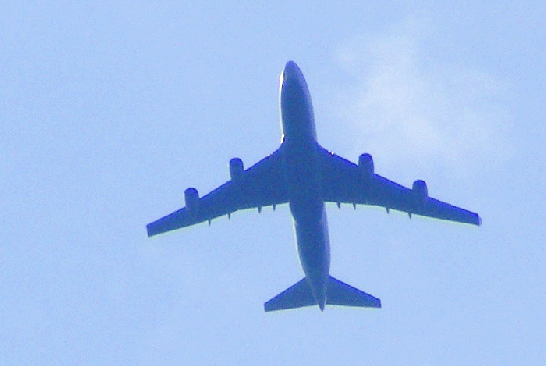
<point>305,175</point>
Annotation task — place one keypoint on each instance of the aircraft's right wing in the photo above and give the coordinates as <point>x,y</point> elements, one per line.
<point>260,185</point>
<point>346,182</point>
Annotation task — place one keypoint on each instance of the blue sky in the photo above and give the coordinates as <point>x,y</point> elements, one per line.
<point>108,112</point>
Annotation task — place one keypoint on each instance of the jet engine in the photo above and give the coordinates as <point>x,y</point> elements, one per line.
<point>236,169</point>
<point>420,190</point>
<point>191,196</point>
<point>365,164</point>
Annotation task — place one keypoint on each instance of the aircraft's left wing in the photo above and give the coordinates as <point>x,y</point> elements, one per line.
<point>346,182</point>
<point>260,185</point>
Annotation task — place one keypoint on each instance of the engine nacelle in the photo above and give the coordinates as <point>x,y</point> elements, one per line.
<point>191,196</point>
<point>420,190</point>
<point>365,164</point>
<point>236,169</point>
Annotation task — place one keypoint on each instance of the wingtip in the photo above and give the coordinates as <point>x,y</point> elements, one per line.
<point>149,230</point>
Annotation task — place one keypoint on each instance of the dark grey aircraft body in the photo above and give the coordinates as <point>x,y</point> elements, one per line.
<point>305,175</point>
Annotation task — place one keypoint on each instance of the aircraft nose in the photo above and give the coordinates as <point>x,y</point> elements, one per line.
<point>291,70</point>
<point>290,64</point>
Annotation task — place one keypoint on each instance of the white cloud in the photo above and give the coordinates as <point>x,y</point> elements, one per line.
<point>413,110</point>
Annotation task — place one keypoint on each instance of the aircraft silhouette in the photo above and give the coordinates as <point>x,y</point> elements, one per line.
<point>305,175</point>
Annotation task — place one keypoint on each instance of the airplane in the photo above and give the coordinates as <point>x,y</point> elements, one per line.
<point>305,175</point>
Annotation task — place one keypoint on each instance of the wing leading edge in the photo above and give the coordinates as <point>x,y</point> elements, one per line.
<point>346,182</point>
<point>260,185</point>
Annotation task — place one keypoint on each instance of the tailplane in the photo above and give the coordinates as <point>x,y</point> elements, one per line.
<point>296,296</point>
<point>338,293</point>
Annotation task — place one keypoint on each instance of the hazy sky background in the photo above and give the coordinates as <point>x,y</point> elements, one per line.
<point>108,112</point>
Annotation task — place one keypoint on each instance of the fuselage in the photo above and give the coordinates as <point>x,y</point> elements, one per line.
<point>303,179</point>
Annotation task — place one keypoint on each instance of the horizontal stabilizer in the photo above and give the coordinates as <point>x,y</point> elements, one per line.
<point>296,296</point>
<point>339,293</point>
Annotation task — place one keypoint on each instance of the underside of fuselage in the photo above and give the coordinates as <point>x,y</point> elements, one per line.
<point>303,180</point>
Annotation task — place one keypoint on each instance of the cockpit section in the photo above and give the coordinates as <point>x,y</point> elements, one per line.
<point>297,117</point>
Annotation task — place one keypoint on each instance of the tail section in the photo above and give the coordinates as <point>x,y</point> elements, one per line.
<point>338,293</point>
<point>296,296</point>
